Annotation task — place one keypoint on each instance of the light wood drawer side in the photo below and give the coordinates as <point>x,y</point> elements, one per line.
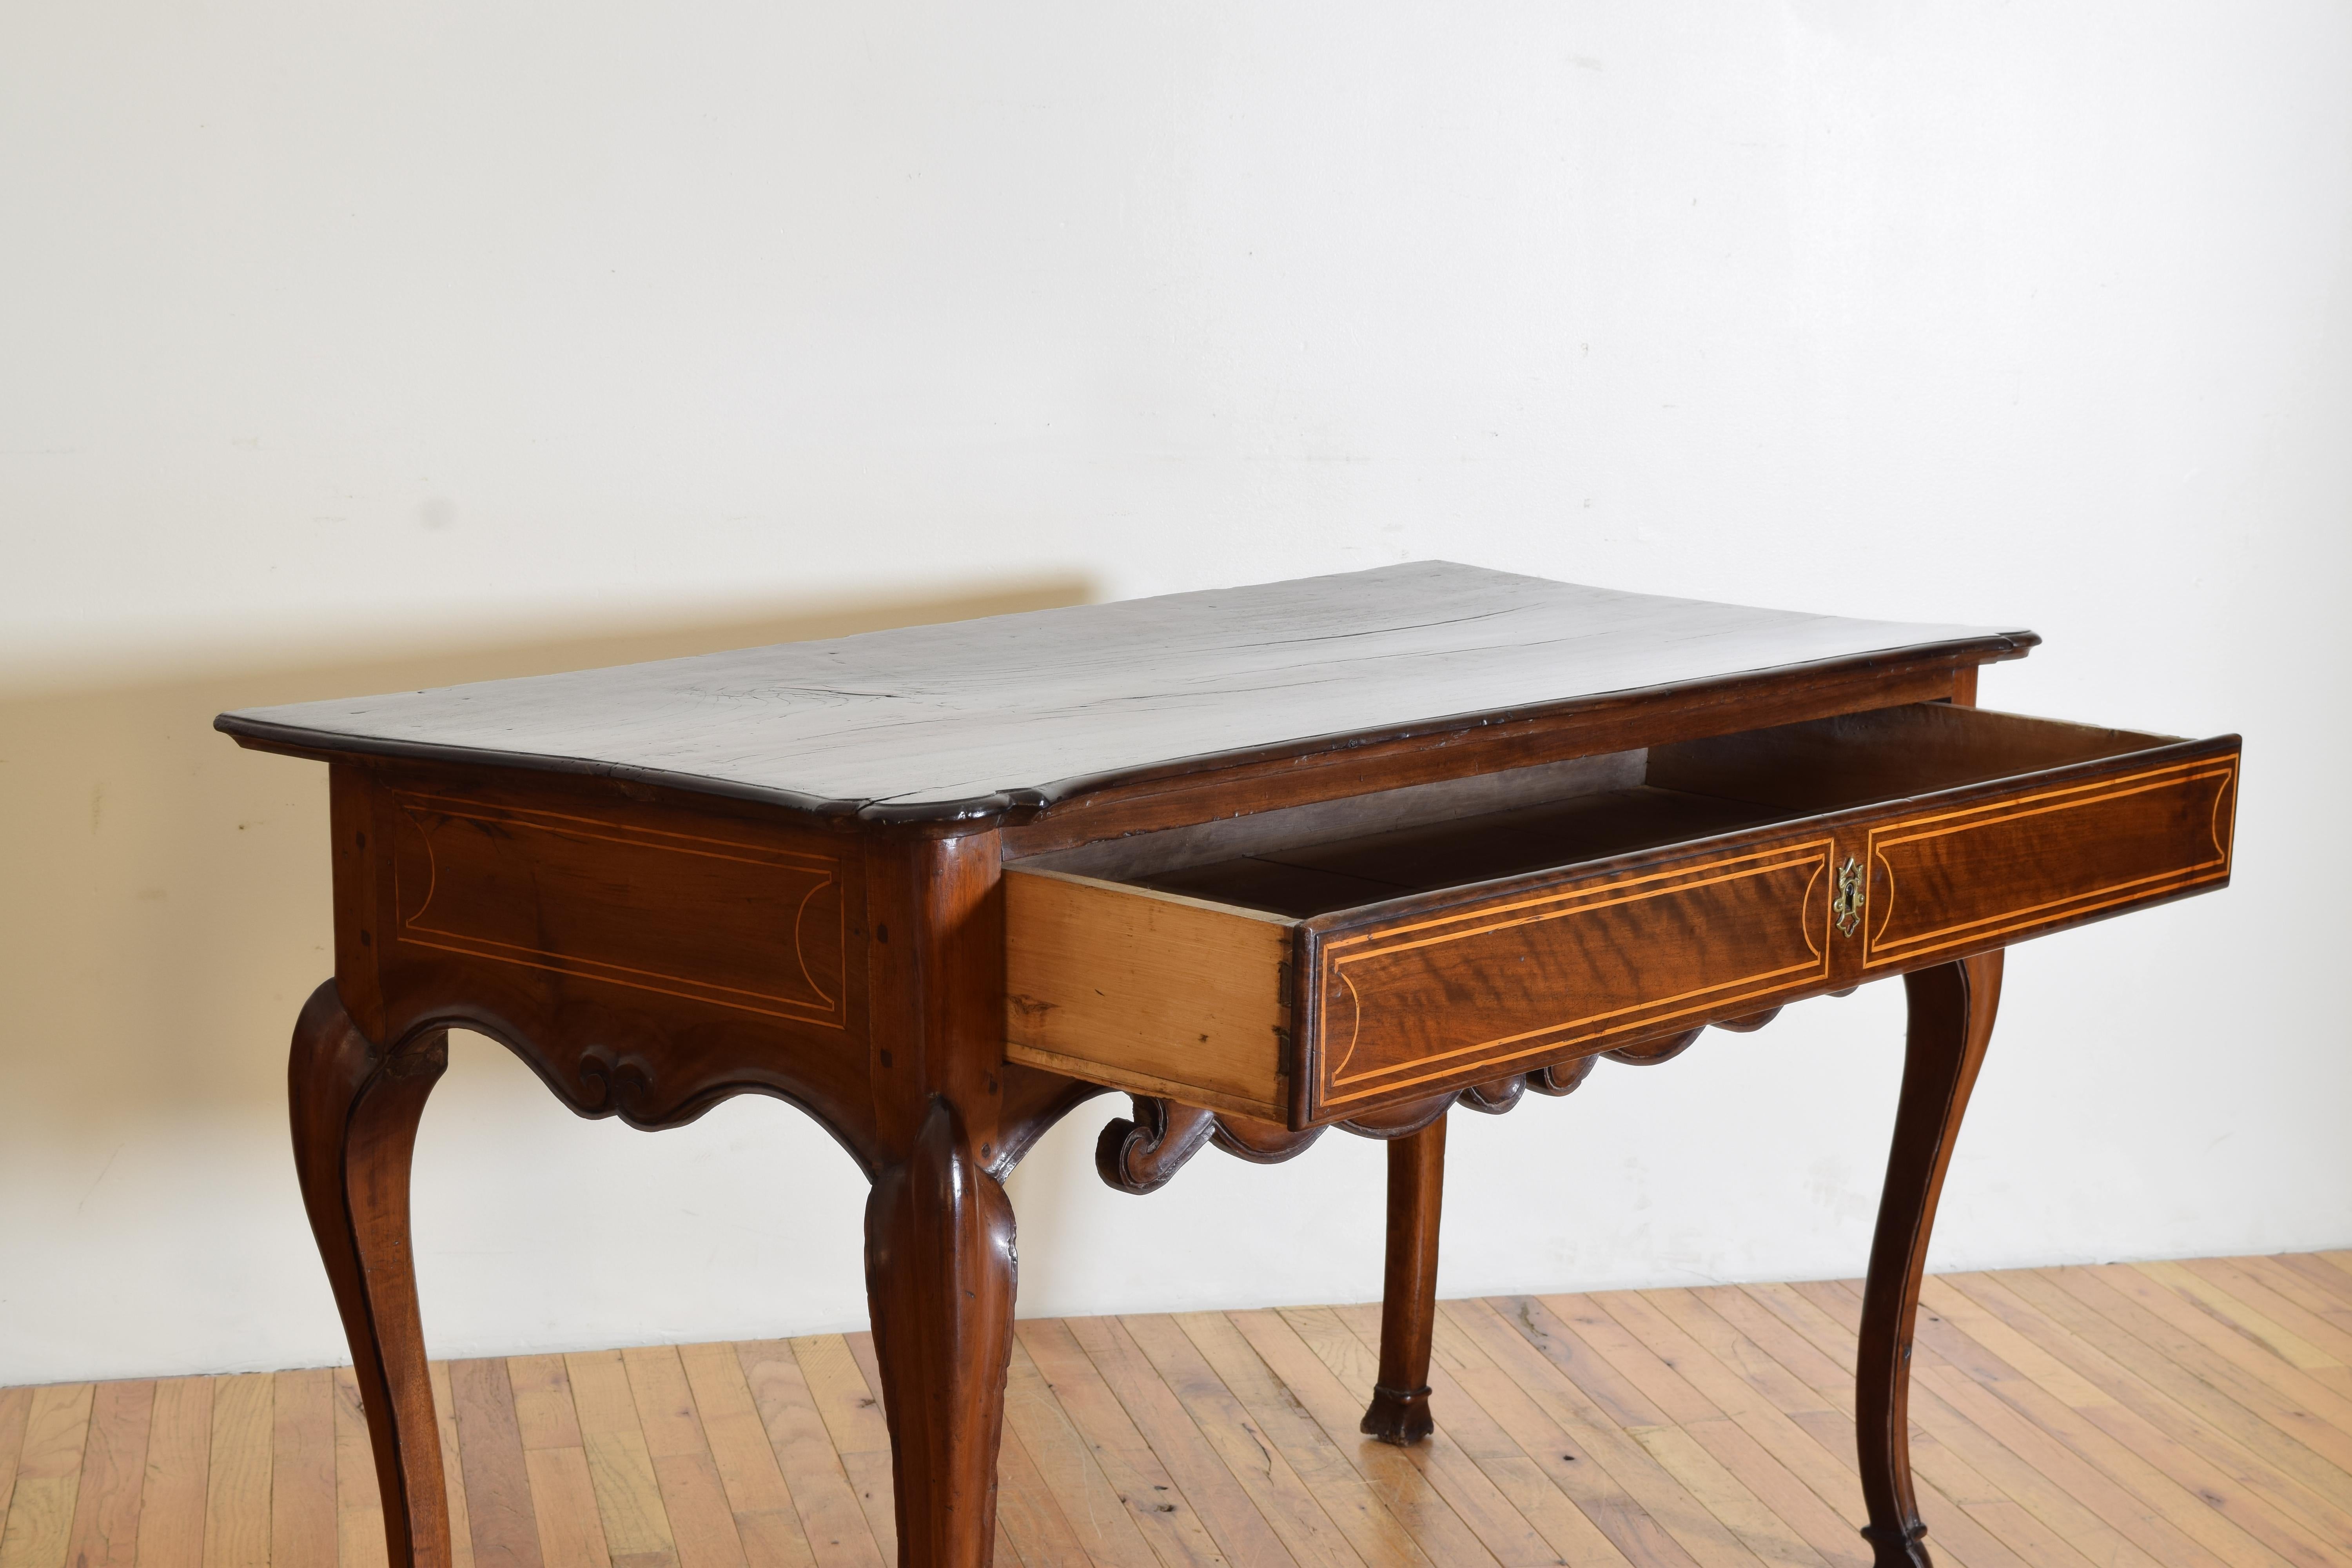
<point>1148,992</point>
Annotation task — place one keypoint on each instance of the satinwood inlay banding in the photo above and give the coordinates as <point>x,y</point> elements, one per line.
<point>738,923</point>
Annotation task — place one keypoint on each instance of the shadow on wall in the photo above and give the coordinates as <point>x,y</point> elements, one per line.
<point>165,906</point>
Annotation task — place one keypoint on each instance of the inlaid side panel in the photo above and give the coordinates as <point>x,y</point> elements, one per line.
<point>716,919</point>
<point>1967,877</point>
<point>647,956</point>
<point>1537,973</point>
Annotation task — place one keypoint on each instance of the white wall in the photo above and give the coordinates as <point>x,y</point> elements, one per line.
<point>333,333</point>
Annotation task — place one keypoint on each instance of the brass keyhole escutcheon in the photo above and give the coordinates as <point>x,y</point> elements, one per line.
<point>1846,907</point>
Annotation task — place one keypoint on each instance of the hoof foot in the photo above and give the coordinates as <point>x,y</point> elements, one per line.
<point>1398,1418</point>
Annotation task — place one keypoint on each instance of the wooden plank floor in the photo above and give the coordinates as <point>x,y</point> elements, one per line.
<point>2131,1415</point>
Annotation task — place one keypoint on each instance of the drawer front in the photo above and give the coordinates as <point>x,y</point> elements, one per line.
<point>1410,999</point>
<point>1960,879</point>
<point>1531,976</point>
<point>1342,1015</point>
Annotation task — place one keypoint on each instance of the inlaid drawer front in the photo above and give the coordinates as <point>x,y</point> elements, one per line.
<point>1999,871</point>
<point>1319,970</point>
<point>1532,975</point>
<point>738,923</point>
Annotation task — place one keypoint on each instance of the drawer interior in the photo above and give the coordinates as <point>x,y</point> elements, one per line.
<point>1309,860</point>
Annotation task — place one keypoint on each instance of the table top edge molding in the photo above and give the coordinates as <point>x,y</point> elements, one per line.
<point>1014,807</point>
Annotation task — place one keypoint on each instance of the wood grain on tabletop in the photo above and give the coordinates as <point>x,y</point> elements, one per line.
<point>1028,702</point>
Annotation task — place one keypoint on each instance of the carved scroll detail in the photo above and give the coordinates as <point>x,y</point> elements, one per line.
<point>1563,1078</point>
<point>1495,1098</point>
<point>1650,1053</point>
<point>609,1086</point>
<point>1401,1120</point>
<point>1141,1155</point>
<point>1261,1142</point>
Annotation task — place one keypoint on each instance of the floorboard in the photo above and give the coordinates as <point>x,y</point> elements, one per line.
<point>2176,1415</point>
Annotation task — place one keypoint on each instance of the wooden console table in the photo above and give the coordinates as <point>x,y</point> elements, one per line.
<point>1349,850</point>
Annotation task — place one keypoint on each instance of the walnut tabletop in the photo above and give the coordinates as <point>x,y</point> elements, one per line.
<point>977,717</point>
<point>1348,852</point>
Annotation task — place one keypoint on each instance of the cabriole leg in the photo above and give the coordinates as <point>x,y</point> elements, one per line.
<point>938,1283</point>
<point>354,1109</point>
<point>1952,1010</point>
<point>1400,1408</point>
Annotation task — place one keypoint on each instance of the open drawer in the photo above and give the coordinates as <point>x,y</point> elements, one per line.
<point>1321,963</point>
